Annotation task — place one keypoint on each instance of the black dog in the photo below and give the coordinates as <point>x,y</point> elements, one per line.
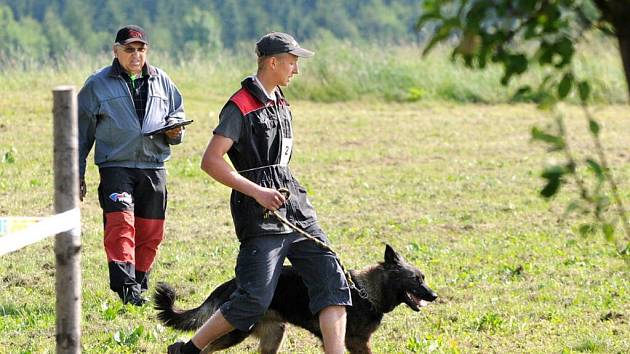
<point>388,284</point>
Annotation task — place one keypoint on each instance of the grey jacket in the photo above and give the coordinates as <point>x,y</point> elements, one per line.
<point>107,116</point>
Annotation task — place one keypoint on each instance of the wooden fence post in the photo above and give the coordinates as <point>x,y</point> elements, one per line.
<point>67,244</point>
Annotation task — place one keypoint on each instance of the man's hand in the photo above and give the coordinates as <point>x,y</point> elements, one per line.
<point>82,189</point>
<point>269,198</point>
<point>174,133</point>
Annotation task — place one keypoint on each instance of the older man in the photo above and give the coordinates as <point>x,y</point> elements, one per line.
<point>117,105</point>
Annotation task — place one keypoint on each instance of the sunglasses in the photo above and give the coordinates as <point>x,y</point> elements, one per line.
<point>131,50</point>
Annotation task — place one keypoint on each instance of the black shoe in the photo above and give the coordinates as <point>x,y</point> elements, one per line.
<point>183,348</point>
<point>176,348</point>
<point>136,300</point>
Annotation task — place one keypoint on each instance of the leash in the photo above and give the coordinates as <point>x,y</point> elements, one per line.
<point>285,192</point>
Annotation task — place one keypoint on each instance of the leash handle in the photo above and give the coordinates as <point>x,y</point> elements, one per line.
<point>285,192</point>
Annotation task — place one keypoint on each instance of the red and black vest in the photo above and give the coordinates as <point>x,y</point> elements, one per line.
<point>258,157</point>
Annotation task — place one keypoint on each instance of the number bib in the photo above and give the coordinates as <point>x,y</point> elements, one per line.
<point>285,152</point>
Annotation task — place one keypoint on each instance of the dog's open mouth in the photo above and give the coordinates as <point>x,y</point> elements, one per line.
<point>414,302</point>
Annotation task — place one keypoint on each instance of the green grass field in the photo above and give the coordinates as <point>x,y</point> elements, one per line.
<point>452,187</point>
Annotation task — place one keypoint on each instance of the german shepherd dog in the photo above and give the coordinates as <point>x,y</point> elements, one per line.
<point>387,284</point>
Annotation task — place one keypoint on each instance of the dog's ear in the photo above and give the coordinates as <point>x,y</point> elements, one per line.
<point>391,256</point>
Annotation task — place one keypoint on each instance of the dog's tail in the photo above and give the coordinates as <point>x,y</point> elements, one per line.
<point>187,320</point>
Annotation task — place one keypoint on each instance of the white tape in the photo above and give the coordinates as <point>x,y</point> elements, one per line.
<point>11,224</point>
<point>48,226</point>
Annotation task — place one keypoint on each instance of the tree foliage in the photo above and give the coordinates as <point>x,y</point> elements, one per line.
<point>41,29</point>
<point>518,34</point>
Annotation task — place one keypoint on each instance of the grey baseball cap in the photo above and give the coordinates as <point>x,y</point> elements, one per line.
<point>278,42</point>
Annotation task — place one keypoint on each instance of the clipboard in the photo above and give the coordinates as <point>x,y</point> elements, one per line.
<point>174,125</point>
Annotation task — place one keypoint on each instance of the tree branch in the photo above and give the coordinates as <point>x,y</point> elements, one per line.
<point>621,210</point>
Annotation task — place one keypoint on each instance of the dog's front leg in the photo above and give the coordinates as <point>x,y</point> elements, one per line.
<point>270,333</point>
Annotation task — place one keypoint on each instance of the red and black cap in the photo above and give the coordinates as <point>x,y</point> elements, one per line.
<point>131,33</point>
<point>278,42</point>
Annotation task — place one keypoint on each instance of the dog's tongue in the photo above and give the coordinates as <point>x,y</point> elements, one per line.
<point>419,302</point>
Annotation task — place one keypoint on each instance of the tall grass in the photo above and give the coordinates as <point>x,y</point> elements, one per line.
<point>344,71</point>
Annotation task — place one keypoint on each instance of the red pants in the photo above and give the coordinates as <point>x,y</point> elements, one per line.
<point>132,239</point>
